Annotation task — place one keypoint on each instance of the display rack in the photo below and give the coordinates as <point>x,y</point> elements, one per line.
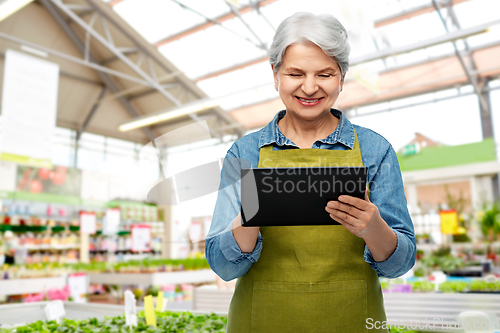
<point>152,279</point>
<point>30,286</point>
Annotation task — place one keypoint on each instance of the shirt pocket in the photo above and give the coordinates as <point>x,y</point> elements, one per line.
<point>339,306</point>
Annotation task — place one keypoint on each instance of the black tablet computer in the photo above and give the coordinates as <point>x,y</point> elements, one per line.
<point>296,196</point>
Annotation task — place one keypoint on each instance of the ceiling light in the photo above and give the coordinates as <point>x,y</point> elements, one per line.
<point>170,114</point>
<point>8,7</point>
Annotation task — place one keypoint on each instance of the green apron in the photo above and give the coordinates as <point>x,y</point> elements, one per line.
<point>308,278</point>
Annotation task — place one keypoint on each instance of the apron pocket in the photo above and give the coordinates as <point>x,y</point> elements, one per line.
<point>339,306</point>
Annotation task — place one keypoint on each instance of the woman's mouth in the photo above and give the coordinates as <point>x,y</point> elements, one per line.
<point>309,101</point>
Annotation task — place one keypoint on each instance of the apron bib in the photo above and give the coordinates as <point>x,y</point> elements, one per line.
<point>308,278</point>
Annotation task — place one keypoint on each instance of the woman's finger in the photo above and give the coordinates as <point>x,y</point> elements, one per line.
<point>351,210</point>
<point>356,202</point>
<point>342,217</point>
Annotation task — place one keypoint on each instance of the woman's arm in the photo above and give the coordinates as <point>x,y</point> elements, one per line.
<point>246,237</point>
<point>229,248</point>
<point>382,221</point>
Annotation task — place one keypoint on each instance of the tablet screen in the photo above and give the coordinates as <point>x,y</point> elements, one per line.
<point>296,196</point>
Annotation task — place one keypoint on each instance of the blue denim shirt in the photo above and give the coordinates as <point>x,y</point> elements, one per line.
<point>386,192</point>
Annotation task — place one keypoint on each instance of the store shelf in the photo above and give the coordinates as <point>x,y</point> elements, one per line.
<point>151,279</point>
<point>30,286</point>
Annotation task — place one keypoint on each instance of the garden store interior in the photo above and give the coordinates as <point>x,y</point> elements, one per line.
<point>142,91</point>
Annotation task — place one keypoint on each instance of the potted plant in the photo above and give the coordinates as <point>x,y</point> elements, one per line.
<point>490,225</point>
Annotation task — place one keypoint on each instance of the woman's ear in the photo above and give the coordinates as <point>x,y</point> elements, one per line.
<point>275,75</point>
<point>342,82</point>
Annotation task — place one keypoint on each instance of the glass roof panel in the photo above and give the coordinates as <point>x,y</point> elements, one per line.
<point>254,84</point>
<point>488,10</point>
<point>485,38</point>
<point>160,18</point>
<point>209,50</point>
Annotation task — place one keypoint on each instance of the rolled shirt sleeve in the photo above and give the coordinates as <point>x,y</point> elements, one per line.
<point>221,249</point>
<point>387,193</point>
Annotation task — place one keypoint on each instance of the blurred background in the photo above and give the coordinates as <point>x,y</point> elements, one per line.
<point>91,89</point>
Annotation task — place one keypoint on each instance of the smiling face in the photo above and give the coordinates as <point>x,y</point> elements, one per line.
<point>308,81</point>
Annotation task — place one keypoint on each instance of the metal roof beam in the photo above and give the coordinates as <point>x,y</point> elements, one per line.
<point>91,114</point>
<point>148,50</point>
<point>449,37</point>
<point>91,32</point>
<point>255,5</point>
<point>219,19</point>
<point>237,13</point>
<point>72,76</point>
<point>407,14</point>
<point>104,77</point>
<point>217,23</point>
<point>232,68</point>
<point>485,110</point>
<point>73,59</point>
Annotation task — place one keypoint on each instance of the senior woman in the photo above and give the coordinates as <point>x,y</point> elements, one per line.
<point>315,278</point>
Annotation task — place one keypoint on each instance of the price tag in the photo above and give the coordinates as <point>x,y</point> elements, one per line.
<point>55,310</point>
<point>149,311</point>
<point>78,287</point>
<point>88,223</point>
<point>112,221</point>
<point>141,238</point>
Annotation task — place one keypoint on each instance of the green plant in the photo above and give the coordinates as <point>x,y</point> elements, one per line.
<point>490,223</point>
<point>442,251</point>
<point>481,285</point>
<point>422,286</point>
<point>459,203</point>
<point>453,287</point>
<point>166,322</point>
<point>442,261</point>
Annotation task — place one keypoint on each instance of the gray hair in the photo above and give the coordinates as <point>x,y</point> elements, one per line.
<point>323,30</point>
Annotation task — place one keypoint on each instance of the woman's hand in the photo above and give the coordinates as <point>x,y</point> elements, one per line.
<point>356,215</point>
<point>362,218</point>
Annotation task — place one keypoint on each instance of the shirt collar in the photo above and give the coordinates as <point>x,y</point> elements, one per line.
<point>344,133</point>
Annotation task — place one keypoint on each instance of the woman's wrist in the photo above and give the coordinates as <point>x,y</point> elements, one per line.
<point>246,237</point>
<point>380,239</point>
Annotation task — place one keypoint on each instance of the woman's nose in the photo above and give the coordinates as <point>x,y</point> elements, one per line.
<point>309,86</point>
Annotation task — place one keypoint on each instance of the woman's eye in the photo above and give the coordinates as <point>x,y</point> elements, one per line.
<point>294,74</point>
<point>325,75</point>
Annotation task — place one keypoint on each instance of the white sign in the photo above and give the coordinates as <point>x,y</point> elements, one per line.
<point>111,222</point>
<point>88,223</point>
<point>141,238</point>
<point>8,173</point>
<point>130,309</point>
<point>29,108</point>
<point>78,287</point>
<point>94,186</point>
<point>195,232</point>
<point>55,310</point>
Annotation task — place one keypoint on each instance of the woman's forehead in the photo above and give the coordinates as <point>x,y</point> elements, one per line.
<point>307,56</point>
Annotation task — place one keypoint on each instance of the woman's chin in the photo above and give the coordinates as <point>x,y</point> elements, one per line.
<point>309,113</point>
